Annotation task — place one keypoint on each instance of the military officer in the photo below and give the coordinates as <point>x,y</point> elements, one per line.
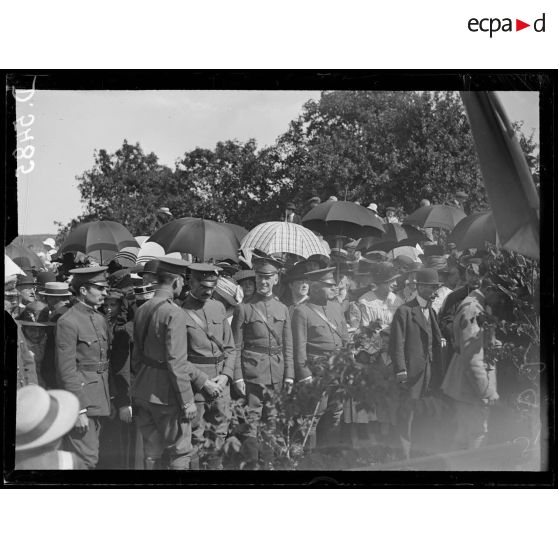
<point>211,349</point>
<point>163,388</point>
<point>262,333</point>
<point>81,355</point>
<point>319,330</point>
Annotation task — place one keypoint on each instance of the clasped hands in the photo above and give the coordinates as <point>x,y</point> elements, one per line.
<point>214,387</point>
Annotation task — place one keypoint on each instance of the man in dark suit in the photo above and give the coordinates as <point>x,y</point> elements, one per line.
<point>415,350</point>
<point>290,214</point>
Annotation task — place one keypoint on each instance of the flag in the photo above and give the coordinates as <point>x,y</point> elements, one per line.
<point>509,185</point>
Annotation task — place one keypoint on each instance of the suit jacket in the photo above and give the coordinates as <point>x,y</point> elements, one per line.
<point>120,362</point>
<point>312,335</point>
<point>468,378</point>
<point>415,346</point>
<point>249,331</point>
<point>81,355</point>
<point>160,354</point>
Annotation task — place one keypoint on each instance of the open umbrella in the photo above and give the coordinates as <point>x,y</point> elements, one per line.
<point>474,231</point>
<point>279,237</point>
<point>202,238</point>
<point>239,232</point>
<point>99,239</point>
<point>11,268</point>
<point>342,218</point>
<point>152,251</point>
<point>23,256</point>
<point>395,235</point>
<point>435,217</point>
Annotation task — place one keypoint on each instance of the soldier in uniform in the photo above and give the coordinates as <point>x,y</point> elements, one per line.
<point>211,349</point>
<point>163,388</point>
<point>81,353</point>
<point>264,360</point>
<point>319,330</point>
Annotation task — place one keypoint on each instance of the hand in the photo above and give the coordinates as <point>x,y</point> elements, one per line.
<point>240,387</point>
<point>125,414</point>
<point>212,389</point>
<point>222,380</point>
<point>401,377</point>
<point>288,386</point>
<point>190,412</point>
<point>82,423</point>
<point>491,400</point>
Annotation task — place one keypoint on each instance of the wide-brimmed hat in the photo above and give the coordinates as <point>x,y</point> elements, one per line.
<point>166,211</point>
<point>427,276</point>
<point>373,207</point>
<point>324,275</point>
<point>384,273</point>
<point>229,291</point>
<point>50,242</point>
<point>27,279</point>
<point>43,416</point>
<point>297,273</point>
<point>55,288</point>
<point>35,314</point>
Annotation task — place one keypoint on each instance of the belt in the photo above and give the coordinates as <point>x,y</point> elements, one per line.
<point>264,350</point>
<point>196,359</point>
<point>153,363</point>
<point>98,367</point>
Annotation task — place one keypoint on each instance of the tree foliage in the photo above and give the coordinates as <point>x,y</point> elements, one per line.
<point>393,148</point>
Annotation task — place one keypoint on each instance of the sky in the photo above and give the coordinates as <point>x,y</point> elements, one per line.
<point>68,126</point>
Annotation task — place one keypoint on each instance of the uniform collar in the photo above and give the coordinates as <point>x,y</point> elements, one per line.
<point>80,305</point>
<point>163,292</point>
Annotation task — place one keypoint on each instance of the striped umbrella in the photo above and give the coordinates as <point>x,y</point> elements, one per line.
<point>278,237</point>
<point>127,256</point>
<point>474,231</point>
<point>152,251</point>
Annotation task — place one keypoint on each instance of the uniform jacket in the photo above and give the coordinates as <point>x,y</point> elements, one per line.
<point>213,315</point>
<point>249,330</point>
<point>312,335</point>
<point>415,345</point>
<point>468,378</point>
<point>165,377</point>
<point>81,354</point>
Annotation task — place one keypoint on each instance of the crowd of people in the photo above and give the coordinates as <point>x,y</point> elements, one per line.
<point>135,368</point>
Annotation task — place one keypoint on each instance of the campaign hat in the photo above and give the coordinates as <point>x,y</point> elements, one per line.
<point>207,274</point>
<point>43,416</point>
<point>95,275</point>
<point>324,275</point>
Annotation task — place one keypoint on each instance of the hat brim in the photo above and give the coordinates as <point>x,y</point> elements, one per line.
<point>44,293</point>
<point>68,410</point>
<point>380,280</point>
<point>34,324</point>
<point>437,284</point>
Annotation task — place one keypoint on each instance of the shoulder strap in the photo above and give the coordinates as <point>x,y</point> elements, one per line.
<point>278,340</point>
<point>203,327</point>
<point>324,318</point>
<point>149,320</point>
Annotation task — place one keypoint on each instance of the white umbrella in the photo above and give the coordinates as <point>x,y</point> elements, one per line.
<point>11,268</point>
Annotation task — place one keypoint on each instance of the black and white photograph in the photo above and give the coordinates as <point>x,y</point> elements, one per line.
<point>316,276</point>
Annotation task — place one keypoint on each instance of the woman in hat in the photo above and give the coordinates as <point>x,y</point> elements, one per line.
<point>297,286</point>
<point>42,419</point>
<point>246,278</point>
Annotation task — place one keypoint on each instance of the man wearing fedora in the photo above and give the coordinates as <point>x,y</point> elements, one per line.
<point>42,419</point>
<point>165,381</point>
<point>25,287</point>
<point>82,360</point>
<point>211,349</point>
<point>290,214</point>
<point>264,345</point>
<point>415,350</point>
<point>320,330</point>
<point>297,286</point>
<point>471,378</point>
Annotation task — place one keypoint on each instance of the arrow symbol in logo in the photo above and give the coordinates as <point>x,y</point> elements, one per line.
<point>519,25</point>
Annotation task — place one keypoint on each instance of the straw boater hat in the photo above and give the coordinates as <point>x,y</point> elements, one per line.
<point>55,288</point>
<point>43,416</point>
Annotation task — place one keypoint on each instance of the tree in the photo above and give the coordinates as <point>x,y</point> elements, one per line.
<point>393,148</point>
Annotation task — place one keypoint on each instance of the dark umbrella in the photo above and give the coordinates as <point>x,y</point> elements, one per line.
<point>395,236</point>
<point>100,240</point>
<point>202,238</point>
<point>435,217</point>
<point>239,232</point>
<point>342,218</point>
<point>23,256</point>
<point>474,231</point>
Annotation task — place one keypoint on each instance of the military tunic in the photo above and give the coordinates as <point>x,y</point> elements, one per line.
<point>264,359</point>
<point>164,379</point>
<point>81,356</point>
<point>214,357</point>
<point>313,338</point>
